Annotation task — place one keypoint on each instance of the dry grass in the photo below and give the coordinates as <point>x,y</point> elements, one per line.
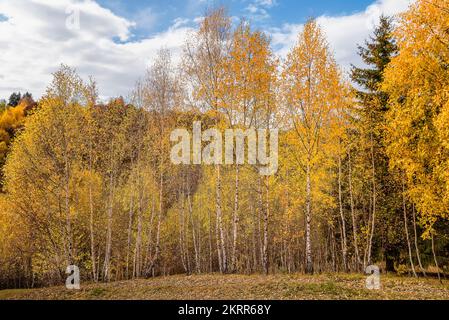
<point>242,287</point>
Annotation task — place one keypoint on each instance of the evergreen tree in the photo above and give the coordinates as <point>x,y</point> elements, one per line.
<point>384,202</point>
<point>14,99</point>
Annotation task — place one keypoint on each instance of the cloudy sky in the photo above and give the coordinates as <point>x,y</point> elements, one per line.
<point>116,40</point>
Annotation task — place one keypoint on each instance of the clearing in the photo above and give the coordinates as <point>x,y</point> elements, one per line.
<point>244,287</point>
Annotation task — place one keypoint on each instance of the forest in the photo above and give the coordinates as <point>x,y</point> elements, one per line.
<point>362,179</point>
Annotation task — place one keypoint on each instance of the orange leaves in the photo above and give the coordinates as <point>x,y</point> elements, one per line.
<point>314,94</point>
<point>418,82</point>
<point>203,56</point>
<point>250,71</point>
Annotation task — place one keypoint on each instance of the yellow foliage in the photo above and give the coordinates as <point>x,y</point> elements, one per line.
<point>418,84</point>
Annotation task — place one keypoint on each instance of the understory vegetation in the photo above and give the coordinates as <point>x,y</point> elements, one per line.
<point>363,173</point>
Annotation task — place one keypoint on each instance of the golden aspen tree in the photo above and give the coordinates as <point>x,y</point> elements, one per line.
<point>247,90</point>
<point>161,96</point>
<point>337,148</point>
<point>44,161</point>
<point>111,134</point>
<point>417,82</point>
<point>203,56</point>
<point>311,86</point>
<point>94,180</point>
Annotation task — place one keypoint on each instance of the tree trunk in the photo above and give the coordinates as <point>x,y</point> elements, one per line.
<point>210,243</point>
<point>130,224</point>
<point>220,222</point>
<point>159,221</point>
<point>406,230</point>
<point>354,222</point>
<point>149,252</point>
<point>418,255</point>
<point>181,233</point>
<point>138,246</point>
<point>435,258</point>
<point>91,220</point>
<point>155,259</point>
<point>67,207</point>
<point>197,258</point>
<point>217,239</point>
<point>373,216</point>
<point>343,222</point>
<point>255,236</point>
<point>333,248</point>
<point>107,257</point>
<point>235,219</point>
<point>265,228</point>
<point>309,262</point>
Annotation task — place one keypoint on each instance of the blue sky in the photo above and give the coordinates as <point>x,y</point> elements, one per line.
<point>153,16</point>
<point>117,40</point>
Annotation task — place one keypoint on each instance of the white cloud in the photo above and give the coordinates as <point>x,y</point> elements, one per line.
<point>34,41</point>
<point>266,3</point>
<point>344,33</point>
<point>258,9</point>
<point>145,19</point>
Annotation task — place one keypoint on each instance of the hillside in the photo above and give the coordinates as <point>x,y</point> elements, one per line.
<point>254,287</point>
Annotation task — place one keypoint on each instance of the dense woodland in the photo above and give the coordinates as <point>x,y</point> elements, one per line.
<point>363,161</point>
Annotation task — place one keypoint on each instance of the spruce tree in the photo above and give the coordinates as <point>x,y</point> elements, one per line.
<point>385,204</point>
<point>14,99</point>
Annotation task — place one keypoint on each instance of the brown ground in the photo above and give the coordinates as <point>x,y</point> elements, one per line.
<point>253,287</point>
